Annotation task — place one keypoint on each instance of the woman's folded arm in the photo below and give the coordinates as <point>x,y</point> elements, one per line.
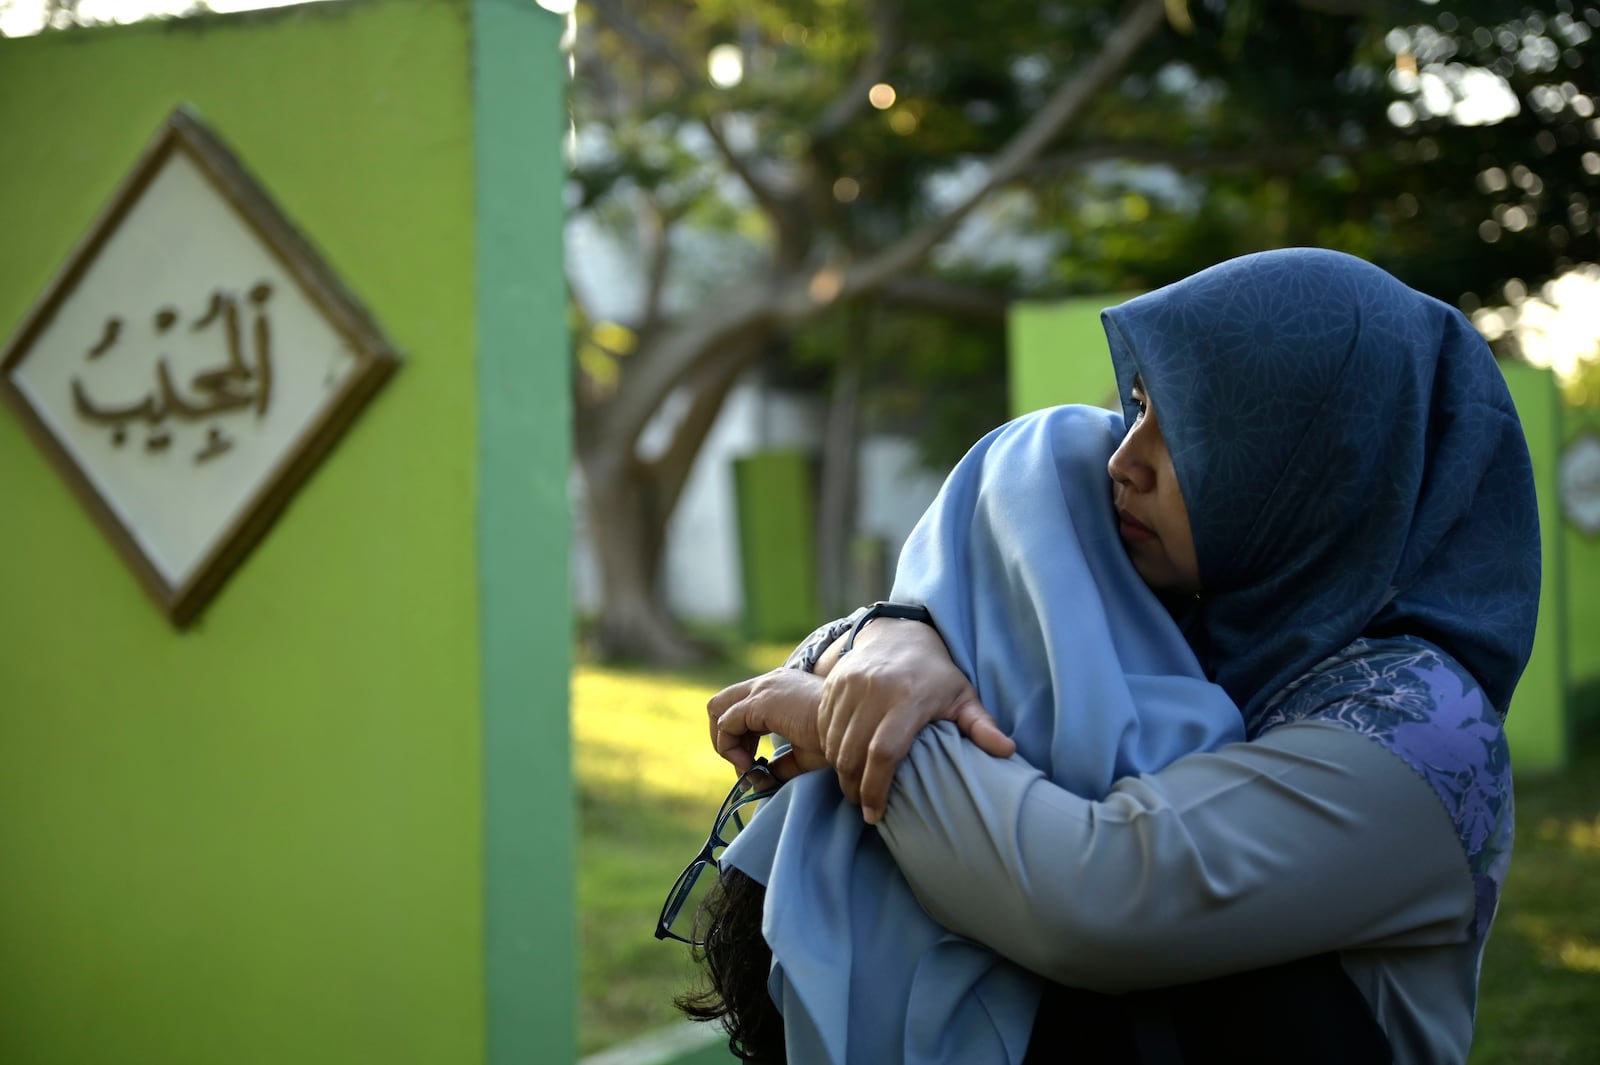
<point>1312,838</point>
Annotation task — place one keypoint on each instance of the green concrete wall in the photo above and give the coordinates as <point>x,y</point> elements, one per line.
<point>1581,558</point>
<point>1058,354</point>
<point>776,529</point>
<point>1538,726</point>
<point>264,840</point>
<point>524,434</point>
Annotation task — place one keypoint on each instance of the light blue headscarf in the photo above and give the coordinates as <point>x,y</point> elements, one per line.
<point>1019,561</point>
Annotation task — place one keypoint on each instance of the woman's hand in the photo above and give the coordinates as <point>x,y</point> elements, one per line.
<point>784,701</point>
<point>898,678</point>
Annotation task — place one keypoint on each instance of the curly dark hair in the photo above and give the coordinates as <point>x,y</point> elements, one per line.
<point>737,960</point>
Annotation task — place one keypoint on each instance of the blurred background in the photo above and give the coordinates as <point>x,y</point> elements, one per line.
<point>803,241</point>
<point>810,242</point>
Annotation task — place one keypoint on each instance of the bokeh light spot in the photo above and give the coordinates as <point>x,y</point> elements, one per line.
<point>725,66</point>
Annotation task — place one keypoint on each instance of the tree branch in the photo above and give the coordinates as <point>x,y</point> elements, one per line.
<point>653,240</point>
<point>1143,19</point>
<point>951,298</point>
<point>662,52</point>
<point>578,383</point>
<point>710,384</point>
<point>1196,160</point>
<point>759,303</point>
<point>676,349</point>
<point>849,103</point>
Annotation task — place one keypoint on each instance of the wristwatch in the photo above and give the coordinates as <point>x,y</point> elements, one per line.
<point>906,611</point>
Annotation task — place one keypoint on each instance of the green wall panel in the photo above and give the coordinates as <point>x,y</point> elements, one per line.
<point>523,434</point>
<point>1582,564</point>
<point>1538,726</point>
<point>263,840</point>
<point>773,490</point>
<point>1058,354</point>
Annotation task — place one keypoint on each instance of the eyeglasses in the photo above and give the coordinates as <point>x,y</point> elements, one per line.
<point>680,916</point>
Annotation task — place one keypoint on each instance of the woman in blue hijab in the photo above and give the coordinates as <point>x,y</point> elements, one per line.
<point>1325,480</point>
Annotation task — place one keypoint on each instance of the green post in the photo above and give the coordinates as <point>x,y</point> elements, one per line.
<point>1538,726</point>
<point>776,532</point>
<point>1058,354</point>
<point>1581,562</point>
<point>524,429</point>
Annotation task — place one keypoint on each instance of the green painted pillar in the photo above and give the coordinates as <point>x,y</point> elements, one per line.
<point>524,433</point>
<point>776,536</point>
<point>1058,354</point>
<point>1580,440</point>
<point>1538,726</point>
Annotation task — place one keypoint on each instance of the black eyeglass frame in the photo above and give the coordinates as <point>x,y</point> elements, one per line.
<point>744,792</point>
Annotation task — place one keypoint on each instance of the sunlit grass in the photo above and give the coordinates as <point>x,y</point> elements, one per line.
<point>639,732</point>
<point>1581,835</point>
<point>648,786</point>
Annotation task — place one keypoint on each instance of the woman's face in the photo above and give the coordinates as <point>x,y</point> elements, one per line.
<point>1151,515</point>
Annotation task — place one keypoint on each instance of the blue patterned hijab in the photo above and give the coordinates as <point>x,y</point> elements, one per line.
<point>1352,466</point>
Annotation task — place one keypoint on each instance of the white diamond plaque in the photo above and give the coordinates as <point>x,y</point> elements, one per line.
<point>191,363</point>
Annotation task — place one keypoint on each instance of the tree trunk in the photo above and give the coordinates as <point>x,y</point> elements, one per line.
<point>840,475</point>
<point>628,535</point>
<point>630,502</point>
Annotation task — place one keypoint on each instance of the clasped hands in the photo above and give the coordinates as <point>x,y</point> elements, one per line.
<point>858,713</point>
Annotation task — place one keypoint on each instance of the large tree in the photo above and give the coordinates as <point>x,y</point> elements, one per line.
<point>777,165</point>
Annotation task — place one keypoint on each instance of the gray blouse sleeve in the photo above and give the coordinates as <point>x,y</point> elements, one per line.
<point>1311,838</point>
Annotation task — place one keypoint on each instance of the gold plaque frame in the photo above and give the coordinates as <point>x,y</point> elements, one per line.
<point>376,361</point>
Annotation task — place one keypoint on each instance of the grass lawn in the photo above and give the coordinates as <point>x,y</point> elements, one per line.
<point>648,786</point>
<point>1540,991</point>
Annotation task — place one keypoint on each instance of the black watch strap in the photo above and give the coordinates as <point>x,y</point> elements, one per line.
<point>906,611</point>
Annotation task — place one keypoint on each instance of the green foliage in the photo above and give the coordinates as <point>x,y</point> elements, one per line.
<point>1239,126</point>
<point>1450,208</point>
<point>946,388</point>
<point>1584,388</point>
<point>1264,125</point>
<point>939,380</point>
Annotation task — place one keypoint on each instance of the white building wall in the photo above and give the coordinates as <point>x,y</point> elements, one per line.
<point>702,562</point>
<point>895,488</point>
